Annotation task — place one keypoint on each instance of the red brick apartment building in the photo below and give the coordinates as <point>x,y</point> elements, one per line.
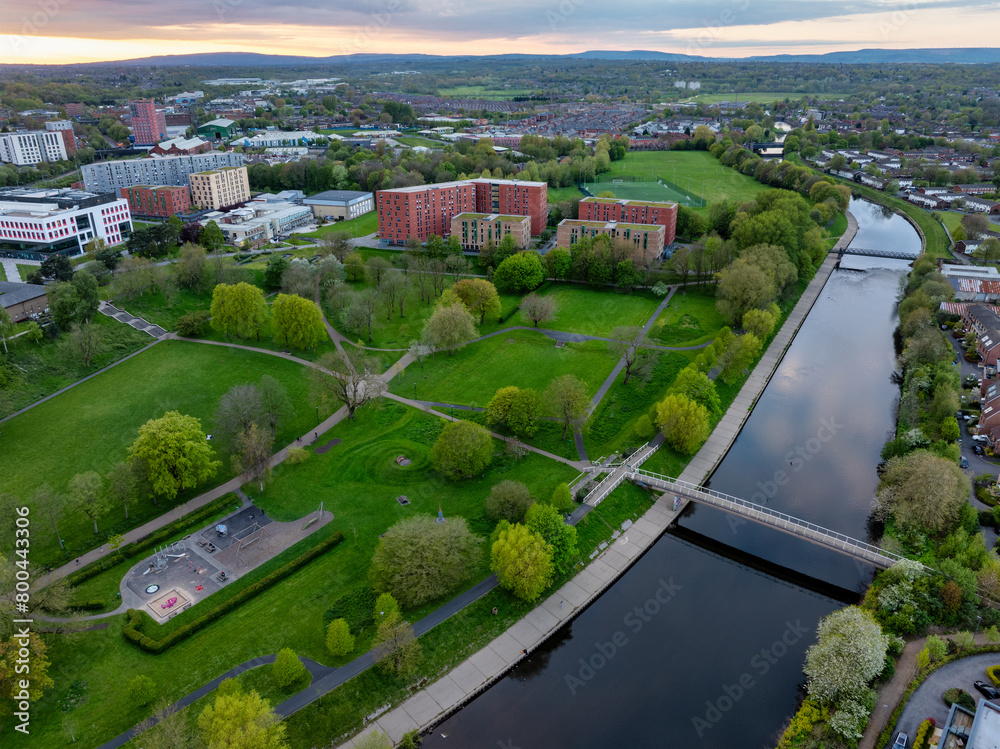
<point>423,210</point>
<point>162,201</point>
<point>149,126</point>
<point>631,212</point>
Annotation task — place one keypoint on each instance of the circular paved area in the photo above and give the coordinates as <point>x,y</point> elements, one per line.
<point>926,702</point>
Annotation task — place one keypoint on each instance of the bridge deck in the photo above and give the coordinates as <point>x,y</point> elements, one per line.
<point>877,253</point>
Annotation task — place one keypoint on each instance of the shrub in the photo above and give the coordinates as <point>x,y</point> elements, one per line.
<point>993,674</point>
<point>355,608</point>
<point>922,739</point>
<point>141,691</point>
<point>960,696</point>
<point>135,620</point>
<point>385,607</point>
<point>193,324</point>
<point>562,498</point>
<point>463,449</point>
<point>644,428</point>
<point>339,640</point>
<point>297,455</point>
<point>508,500</point>
<point>287,668</point>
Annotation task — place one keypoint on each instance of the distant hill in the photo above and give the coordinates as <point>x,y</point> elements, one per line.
<point>970,55</point>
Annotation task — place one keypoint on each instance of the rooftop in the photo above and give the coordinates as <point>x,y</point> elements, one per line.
<point>220,122</point>
<point>15,293</point>
<point>339,196</point>
<point>646,203</point>
<point>492,217</point>
<point>611,225</point>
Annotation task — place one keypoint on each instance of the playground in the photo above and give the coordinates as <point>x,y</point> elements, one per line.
<point>179,575</point>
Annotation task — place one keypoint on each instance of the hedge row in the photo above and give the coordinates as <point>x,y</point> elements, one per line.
<point>136,619</point>
<point>147,542</point>
<point>993,674</point>
<point>890,726</point>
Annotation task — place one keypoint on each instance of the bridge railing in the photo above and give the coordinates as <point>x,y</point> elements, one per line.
<point>765,514</point>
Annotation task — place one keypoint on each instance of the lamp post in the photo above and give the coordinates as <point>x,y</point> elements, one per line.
<point>979,620</point>
<point>317,414</point>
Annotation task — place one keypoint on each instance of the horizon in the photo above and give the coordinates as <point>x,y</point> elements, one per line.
<point>55,32</point>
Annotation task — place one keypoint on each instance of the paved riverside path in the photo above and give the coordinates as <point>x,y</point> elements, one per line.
<point>728,428</point>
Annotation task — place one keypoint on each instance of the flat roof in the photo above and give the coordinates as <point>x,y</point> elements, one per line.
<point>622,201</point>
<point>492,217</point>
<point>337,196</point>
<point>611,225</point>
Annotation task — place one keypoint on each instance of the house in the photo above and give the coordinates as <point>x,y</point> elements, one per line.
<point>982,205</point>
<point>220,129</point>
<point>23,301</point>
<point>181,147</point>
<point>981,188</point>
<point>966,728</point>
<point>340,204</point>
<point>984,321</point>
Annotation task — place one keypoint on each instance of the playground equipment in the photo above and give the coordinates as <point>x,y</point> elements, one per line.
<point>247,537</point>
<point>163,554</point>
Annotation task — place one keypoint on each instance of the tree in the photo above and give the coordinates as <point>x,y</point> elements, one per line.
<point>88,297</point>
<point>86,494</point>
<point>558,260</point>
<point>223,310</point>
<point>922,492</point>
<point>6,327</point>
<point>354,267</point>
<point>32,331</point>
<point>350,381</point>
<point>743,287</point>
<point>562,498</point>
<point>57,267</point>
<point>211,237</point>
<point>419,351</point>
<point>538,308</point>
<point>629,344</point>
<point>287,668</point>
<point>516,408</point>
<point>695,385</point>
<point>11,676</point>
<point>297,322</point>
<point>761,322</point>
<point>299,278</point>
<point>522,561</point>
<point>684,423</point>
<point>63,303</point>
<point>241,721</point>
<point>449,327</point>
<point>849,652</point>
<point>173,454</point>
<point>275,271</point>
<point>274,403</point>
<point>975,225</point>
<point>519,273</point>
<point>252,454</point>
<point>109,257</point>
<point>464,449</point>
<point>736,356</point>
<point>509,500</point>
<point>393,289</point>
<point>988,250</point>
<point>51,505</point>
<point>567,400</point>
<point>248,308</point>
<point>479,297</point>
<point>339,640</point>
<point>239,408</point>
<point>359,315</point>
<point>418,559</point>
<point>378,268</point>
<point>87,341</point>
<point>395,648</point>
<point>547,522</point>
<point>121,485</point>
<point>141,691</point>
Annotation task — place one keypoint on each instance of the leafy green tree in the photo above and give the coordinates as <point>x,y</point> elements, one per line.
<point>86,494</point>
<point>761,322</point>
<point>509,500</point>
<point>741,288</point>
<point>173,454</point>
<point>287,668</point>
<point>223,310</point>
<point>558,261</point>
<point>419,559</point>
<point>395,647</point>
<point>297,322</point>
<point>737,355</point>
<point>479,297</point>
<point>141,691</point>
<point>449,327</point>
<point>562,498</point>
<point>211,237</point>
<point>629,344</point>
<point>88,297</point>
<point>190,266</point>
<point>275,271</point>
<point>464,449</point>
<point>923,492</point>
<point>498,409</point>
<point>339,640</point>
<point>121,485</point>
<point>519,273</point>
<point>385,605</point>
<point>33,332</point>
<point>10,676</point>
<point>109,257</point>
<point>696,385</point>
<point>274,403</point>
<point>63,303</point>
<point>373,739</point>
<point>87,340</point>
<point>252,454</point>
<point>849,652</point>
<point>57,267</point>
<point>684,423</point>
<point>249,308</point>
<point>547,521</point>
<point>193,324</point>
<point>567,400</point>
<point>522,561</point>
<point>238,720</point>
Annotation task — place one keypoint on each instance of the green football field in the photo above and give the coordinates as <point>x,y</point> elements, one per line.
<point>645,191</point>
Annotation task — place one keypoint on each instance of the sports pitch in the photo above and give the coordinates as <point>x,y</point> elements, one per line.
<point>645,191</point>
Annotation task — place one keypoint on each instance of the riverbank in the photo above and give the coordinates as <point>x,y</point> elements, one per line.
<point>442,698</point>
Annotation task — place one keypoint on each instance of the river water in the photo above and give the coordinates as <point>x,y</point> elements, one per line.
<point>701,643</point>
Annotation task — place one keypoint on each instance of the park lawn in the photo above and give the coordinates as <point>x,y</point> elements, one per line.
<point>49,365</point>
<point>417,140</point>
<point>519,357</point>
<point>612,425</point>
<point>951,219</point>
<point>592,311</point>
<point>764,97</point>
<point>153,307</point>
<point>90,427</point>
<point>696,171</point>
<point>690,319</point>
<point>836,228</point>
<point>556,195</point>
<point>356,227</point>
<point>25,270</point>
<point>3,273</point>
<point>483,92</point>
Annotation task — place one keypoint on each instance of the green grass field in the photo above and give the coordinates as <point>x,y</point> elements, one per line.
<point>90,427</point>
<point>696,171</point>
<point>645,191</point>
<point>555,195</point>
<point>521,357</point>
<point>419,140</point>
<point>355,227</point>
<point>50,365</point>
<point>951,219</point>
<point>765,97</point>
<point>25,270</point>
<point>482,92</point>
<point>690,319</point>
<point>592,312</point>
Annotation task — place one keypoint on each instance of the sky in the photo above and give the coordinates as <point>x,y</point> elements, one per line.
<point>67,31</point>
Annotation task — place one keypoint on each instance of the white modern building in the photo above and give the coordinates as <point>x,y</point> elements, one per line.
<point>33,147</point>
<point>279,138</point>
<point>258,222</point>
<point>38,222</point>
<point>111,176</point>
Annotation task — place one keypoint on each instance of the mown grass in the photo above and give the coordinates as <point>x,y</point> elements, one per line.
<point>355,227</point>
<point>90,426</point>
<point>690,319</point>
<point>520,357</point>
<point>591,311</point>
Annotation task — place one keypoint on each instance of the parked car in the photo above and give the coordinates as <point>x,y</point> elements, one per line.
<point>964,462</point>
<point>988,691</point>
<point>980,438</point>
<point>901,740</point>
<point>978,448</point>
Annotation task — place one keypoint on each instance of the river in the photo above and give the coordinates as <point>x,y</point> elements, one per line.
<point>701,643</point>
